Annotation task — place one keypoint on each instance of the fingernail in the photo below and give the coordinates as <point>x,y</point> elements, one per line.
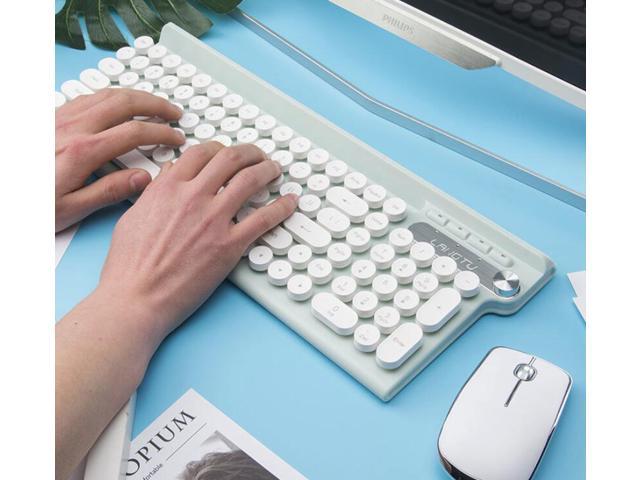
<point>139,180</point>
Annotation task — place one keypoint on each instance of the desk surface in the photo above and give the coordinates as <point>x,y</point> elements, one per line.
<point>272,382</point>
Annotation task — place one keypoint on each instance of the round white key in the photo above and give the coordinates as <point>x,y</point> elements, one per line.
<point>143,44</point>
<point>231,126</point>
<point>291,187</point>
<point>300,287</point>
<point>171,62</point>
<point>336,170</point>
<point>377,223</point>
<point>382,255</point>
<point>395,208</point>
<point>339,254</point>
<point>274,186</point>
<point>335,221</point>
<point>403,342</point>
<point>216,93</point>
<point>365,304</point>
<point>355,182</point>
<point>444,268</point>
<point>128,79</point>
<point>422,253</point>
<point>374,195</point>
<point>260,257</point>
<point>282,135</point>
<point>204,132</point>
<point>260,198</point>
<point>225,140</point>
<point>156,53</point>
<point>318,158</point>
<point>60,100</point>
<point>199,104</point>
<point>425,284</point>
<point>168,84</point>
<point>318,184</point>
<point>366,338</point>
<point>363,271</point>
<point>283,157</point>
<point>386,319</point>
<point>359,239</point>
<point>188,122</point>
<point>183,93</point>
<point>94,79</point>
<point>200,82</point>
<point>467,283</point>
<point>299,172</point>
<point>186,72</point>
<point>153,74</point>
<point>279,272</point>
<point>214,115</point>
<point>248,114</point>
<point>265,125</point>
<point>179,105</point>
<point>344,287</point>
<point>161,95</point>
<point>401,239</point>
<point>125,55</point>
<point>299,256</point>
<point>406,302</point>
<point>404,269</point>
<point>267,145</point>
<point>189,142</point>
<point>232,102</point>
<point>309,205</point>
<point>139,64</point>
<point>163,154</point>
<point>144,86</point>
<point>299,147</point>
<point>384,286</point>
<point>111,67</point>
<point>248,135</point>
<point>147,150</point>
<point>334,313</point>
<point>319,270</point>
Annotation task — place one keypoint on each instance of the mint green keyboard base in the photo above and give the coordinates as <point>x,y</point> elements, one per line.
<point>533,267</point>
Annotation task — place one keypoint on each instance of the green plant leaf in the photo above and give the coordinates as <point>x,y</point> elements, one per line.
<point>139,18</point>
<point>183,14</point>
<point>221,6</point>
<point>103,31</point>
<point>68,30</point>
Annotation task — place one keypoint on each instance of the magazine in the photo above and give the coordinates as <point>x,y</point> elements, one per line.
<point>192,440</point>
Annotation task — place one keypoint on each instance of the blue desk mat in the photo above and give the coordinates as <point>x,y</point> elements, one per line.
<point>272,382</point>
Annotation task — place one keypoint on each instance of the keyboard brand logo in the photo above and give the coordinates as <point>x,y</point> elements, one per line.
<point>397,24</point>
<point>462,261</point>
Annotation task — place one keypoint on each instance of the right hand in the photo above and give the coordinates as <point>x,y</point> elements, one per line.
<point>178,242</point>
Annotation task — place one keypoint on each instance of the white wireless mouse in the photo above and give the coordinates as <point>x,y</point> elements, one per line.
<point>502,420</point>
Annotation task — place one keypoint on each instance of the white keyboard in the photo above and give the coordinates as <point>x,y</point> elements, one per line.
<point>377,268</point>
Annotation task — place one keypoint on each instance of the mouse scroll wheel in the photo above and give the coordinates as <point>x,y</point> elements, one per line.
<point>525,372</point>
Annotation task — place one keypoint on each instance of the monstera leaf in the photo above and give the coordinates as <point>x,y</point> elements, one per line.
<point>142,17</point>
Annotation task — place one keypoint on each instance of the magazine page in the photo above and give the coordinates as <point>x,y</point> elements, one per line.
<point>193,440</point>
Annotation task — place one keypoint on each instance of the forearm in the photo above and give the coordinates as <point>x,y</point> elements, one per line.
<point>103,347</point>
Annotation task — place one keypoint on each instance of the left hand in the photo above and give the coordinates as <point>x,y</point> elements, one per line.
<point>94,129</point>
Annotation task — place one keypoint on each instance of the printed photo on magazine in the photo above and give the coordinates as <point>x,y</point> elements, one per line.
<point>193,440</point>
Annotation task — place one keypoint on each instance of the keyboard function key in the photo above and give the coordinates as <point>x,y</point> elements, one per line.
<point>437,217</point>
<point>334,313</point>
<point>403,342</point>
<point>458,230</point>
<point>438,310</point>
<point>366,338</point>
<point>479,243</point>
<point>501,257</point>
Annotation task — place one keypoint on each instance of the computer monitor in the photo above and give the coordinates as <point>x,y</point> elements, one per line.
<point>542,42</point>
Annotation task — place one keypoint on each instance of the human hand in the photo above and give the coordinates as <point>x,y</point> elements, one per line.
<point>94,129</point>
<point>178,242</point>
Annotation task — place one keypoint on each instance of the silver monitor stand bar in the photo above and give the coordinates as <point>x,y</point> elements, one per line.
<point>404,120</point>
<point>455,45</point>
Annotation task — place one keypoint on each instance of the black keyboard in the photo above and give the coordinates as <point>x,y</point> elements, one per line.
<point>550,35</point>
